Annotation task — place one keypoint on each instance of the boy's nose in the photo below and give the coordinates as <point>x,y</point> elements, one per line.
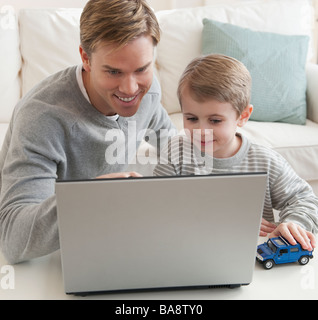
<point>204,134</point>
<point>205,129</point>
<point>208,133</point>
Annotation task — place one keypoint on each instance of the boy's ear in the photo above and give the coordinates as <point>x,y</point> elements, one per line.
<point>244,117</point>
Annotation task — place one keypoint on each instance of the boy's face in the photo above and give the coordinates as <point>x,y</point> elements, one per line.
<point>116,80</point>
<point>216,121</point>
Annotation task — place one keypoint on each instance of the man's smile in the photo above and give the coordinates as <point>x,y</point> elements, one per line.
<point>128,99</point>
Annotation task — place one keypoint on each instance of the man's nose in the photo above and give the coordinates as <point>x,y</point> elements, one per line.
<point>129,85</point>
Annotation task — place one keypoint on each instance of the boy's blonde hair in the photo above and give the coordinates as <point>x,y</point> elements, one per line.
<point>218,77</point>
<point>116,22</point>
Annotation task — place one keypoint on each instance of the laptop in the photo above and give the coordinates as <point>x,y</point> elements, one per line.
<point>159,233</point>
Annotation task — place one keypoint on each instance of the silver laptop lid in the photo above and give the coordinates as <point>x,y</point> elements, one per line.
<point>151,233</point>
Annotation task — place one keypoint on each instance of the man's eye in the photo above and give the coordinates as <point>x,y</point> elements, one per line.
<point>113,72</point>
<point>141,70</point>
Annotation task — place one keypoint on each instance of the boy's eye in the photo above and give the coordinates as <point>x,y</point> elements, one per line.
<point>192,119</point>
<point>215,121</point>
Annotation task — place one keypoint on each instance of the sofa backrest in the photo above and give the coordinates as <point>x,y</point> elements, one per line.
<point>40,42</point>
<point>49,42</point>
<point>10,63</point>
<point>181,33</point>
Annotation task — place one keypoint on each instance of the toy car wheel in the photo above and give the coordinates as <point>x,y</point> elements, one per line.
<point>269,264</point>
<point>303,260</point>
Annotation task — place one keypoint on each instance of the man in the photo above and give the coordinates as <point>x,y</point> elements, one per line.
<point>59,129</point>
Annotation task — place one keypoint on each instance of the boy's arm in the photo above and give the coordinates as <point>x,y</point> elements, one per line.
<point>298,207</point>
<point>164,170</point>
<point>169,161</point>
<point>164,166</point>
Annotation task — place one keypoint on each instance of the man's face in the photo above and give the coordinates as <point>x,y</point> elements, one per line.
<point>115,79</point>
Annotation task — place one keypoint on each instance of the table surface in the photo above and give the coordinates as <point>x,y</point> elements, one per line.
<point>42,279</point>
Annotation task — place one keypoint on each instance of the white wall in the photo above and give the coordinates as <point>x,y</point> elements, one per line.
<point>156,4</point>
<point>18,4</point>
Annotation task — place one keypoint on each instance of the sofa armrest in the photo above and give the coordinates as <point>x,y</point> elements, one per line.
<point>312,92</point>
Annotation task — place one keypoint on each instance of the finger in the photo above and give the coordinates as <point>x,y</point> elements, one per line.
<point>120,175</point>
<point>283,230</point>
<point>312,240</point>
<point>262,233</point>
<point>129,175</point>
<point>134,174</point>
<point>298,234</point>
<point>267,229</point>
<point>267,226</point>
<point>301,237</point>
<point>308,238</point>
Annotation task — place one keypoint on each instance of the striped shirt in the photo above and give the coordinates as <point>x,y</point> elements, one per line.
<point>286,192</point>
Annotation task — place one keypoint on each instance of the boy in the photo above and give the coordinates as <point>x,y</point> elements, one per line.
<point>214,93</point>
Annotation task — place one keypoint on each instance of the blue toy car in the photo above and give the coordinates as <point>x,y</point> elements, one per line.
<point>279,251</point>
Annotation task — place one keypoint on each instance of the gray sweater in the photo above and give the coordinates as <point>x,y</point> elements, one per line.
<point>55,133</point>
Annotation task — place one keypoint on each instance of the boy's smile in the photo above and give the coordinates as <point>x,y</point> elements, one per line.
<point>213,124</point>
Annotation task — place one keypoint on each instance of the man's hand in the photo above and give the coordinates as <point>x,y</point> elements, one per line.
<point>292,232</point>
<point>120,175</point>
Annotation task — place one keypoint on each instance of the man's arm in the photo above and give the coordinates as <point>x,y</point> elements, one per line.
<point>28,220</point>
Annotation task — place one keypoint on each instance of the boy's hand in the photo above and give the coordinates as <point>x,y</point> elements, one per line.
<point>266,228</point>
<point>292,232</point>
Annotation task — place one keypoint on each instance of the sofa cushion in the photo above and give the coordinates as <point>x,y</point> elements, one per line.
<point>312,92</point>
<point>270,58</point>
<point>10,63</point>
<point>297,144</point>
<point>182,33</point>
<point>49,42</point>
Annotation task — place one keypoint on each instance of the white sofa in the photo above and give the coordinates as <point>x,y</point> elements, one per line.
<point>38,42</point>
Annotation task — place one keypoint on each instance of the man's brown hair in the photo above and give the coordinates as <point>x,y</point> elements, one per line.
<point>116,22</point>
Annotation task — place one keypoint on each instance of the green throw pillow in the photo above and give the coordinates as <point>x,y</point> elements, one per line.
<point>276,63</point>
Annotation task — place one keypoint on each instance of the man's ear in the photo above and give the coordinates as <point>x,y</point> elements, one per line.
<point>85,59</point>
<point>244,117</point>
